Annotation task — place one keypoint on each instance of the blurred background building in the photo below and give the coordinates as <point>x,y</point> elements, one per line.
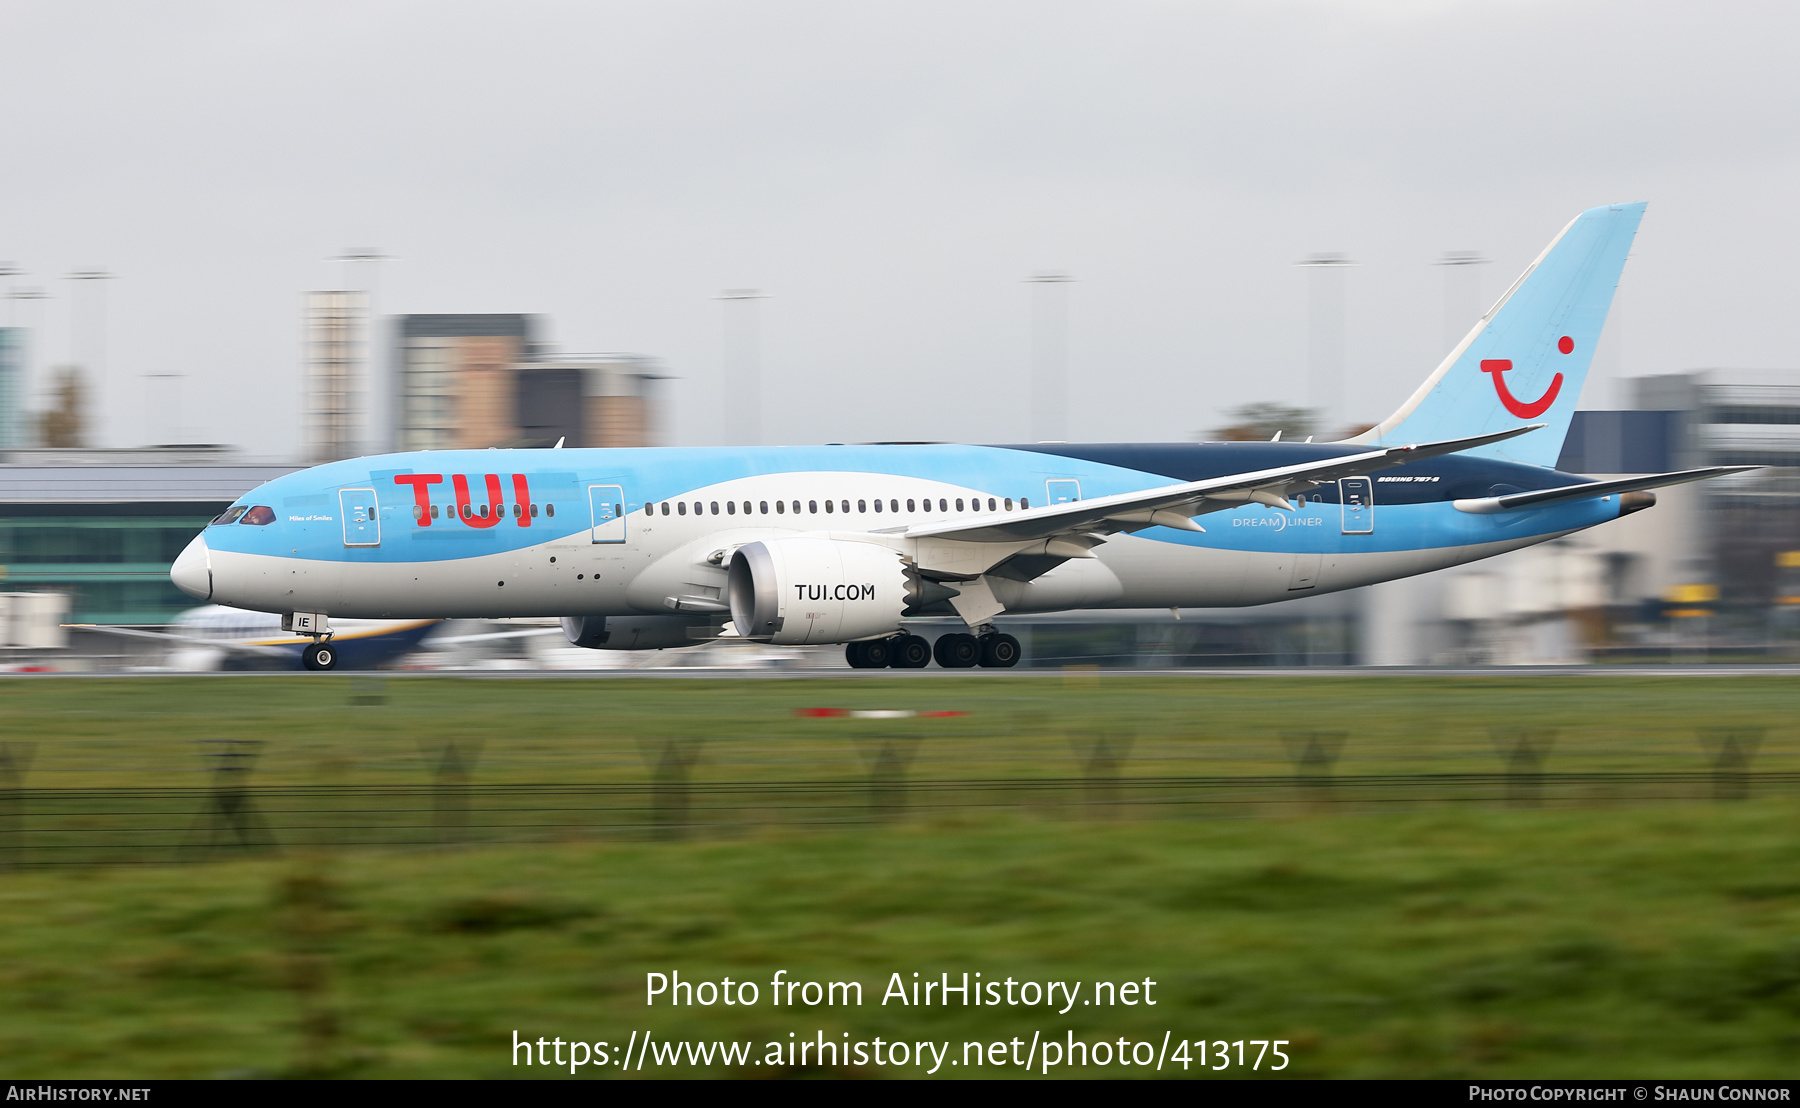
<point>474,381</point>
<point>103,526</point>
<point>336,375</point>
<point>12,387</point>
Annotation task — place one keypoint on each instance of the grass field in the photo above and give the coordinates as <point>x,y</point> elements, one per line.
<point>1590,937</point>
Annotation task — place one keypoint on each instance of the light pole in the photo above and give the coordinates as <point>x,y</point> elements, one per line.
<point>27,354</point>
<point>367,260</point>
<point>1050,356</point>
<point>97,339</point>
<point>742,421</point>
<point>175,403</point>
<point>9,270</point>
<point>1462,293</point>
<point>1325,336</point>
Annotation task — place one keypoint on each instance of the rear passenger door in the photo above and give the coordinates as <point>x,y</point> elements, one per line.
<point>1358,497</point>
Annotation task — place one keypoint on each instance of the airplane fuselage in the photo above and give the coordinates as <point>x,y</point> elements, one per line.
<point>626,532</point>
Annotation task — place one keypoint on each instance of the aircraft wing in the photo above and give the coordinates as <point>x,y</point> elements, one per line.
<point>1176,505</point>
<point>1489,505</point>
<point>262,650</point>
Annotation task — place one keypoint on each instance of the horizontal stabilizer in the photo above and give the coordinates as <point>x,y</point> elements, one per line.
<point>1489,505</point>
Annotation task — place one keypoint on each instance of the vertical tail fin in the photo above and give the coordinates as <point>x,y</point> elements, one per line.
<point>1527,358</point>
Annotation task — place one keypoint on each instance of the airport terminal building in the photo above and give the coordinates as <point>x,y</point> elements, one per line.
<point>104,526</point>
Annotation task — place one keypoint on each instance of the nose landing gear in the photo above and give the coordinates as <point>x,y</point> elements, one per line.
<point>320,655</point>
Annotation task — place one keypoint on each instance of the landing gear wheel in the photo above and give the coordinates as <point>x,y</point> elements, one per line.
<point>856,653</point>
<point>319,656</point>
<point>957,651</point>
<point>909,652</point>
<point>999,651</point>
<point>877,653</point>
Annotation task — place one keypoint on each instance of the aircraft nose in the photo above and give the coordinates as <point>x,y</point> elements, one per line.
<point>192,571</point>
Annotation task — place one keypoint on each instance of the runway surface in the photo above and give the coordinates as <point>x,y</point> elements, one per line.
<point>674,673</point>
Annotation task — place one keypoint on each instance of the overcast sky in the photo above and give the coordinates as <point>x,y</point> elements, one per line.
<point>889,175</point>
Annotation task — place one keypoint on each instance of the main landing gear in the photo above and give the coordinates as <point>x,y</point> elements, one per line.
<point>957,650</point>
<point>319,655</point>
<point>900,652</point>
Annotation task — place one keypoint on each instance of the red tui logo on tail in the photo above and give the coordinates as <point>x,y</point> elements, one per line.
<point>1526,409</point>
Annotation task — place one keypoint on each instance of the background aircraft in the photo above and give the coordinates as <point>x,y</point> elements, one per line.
<point>214,637</point>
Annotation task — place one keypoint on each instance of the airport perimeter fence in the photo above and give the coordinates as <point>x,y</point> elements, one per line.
<point>231,817</point>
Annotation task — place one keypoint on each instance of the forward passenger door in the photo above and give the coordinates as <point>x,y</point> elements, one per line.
<point>362,524</point>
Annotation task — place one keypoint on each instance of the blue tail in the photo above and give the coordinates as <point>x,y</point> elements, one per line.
<point>1527,358</point>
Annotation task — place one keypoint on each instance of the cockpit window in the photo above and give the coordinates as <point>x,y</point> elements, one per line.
<point>260,516</point>
<point>230,515</point>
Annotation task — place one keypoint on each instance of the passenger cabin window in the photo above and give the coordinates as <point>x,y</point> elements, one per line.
<point>1024,503</point>
<point>260,516</point>
<point>893,505</point>
<point>877,505</point>
<point>682,507</point>
<point>862,505</point>
<point>1009,503</point>
<point>230,515</point>
<point>991,504</point>
<point>780,507</point>
<point>731,507</point>
<point>549,509</point>
<point>715,507</point>
<point>959,504</point>
<point>828,506</point>
<point>944,507</point>
<point>910,507</point>
<point>763,505</point>
<point>434,510</point>
<point>812,506</point>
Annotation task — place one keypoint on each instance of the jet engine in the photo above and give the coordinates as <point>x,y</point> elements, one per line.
<point>802,590</point>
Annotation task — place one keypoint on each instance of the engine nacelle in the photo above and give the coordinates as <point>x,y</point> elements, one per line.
<point>636,632</point>
<point>800,590</point>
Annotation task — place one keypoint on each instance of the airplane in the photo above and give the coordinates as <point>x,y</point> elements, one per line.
<point>214,637</point>
<point>663,547</point>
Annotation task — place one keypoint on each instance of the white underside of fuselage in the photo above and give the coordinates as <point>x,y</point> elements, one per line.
<point>574,577</point>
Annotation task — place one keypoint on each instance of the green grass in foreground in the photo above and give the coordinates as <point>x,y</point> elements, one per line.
<point>344,729</point>
<point>1657,940</point>
<point>1642,942</point>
